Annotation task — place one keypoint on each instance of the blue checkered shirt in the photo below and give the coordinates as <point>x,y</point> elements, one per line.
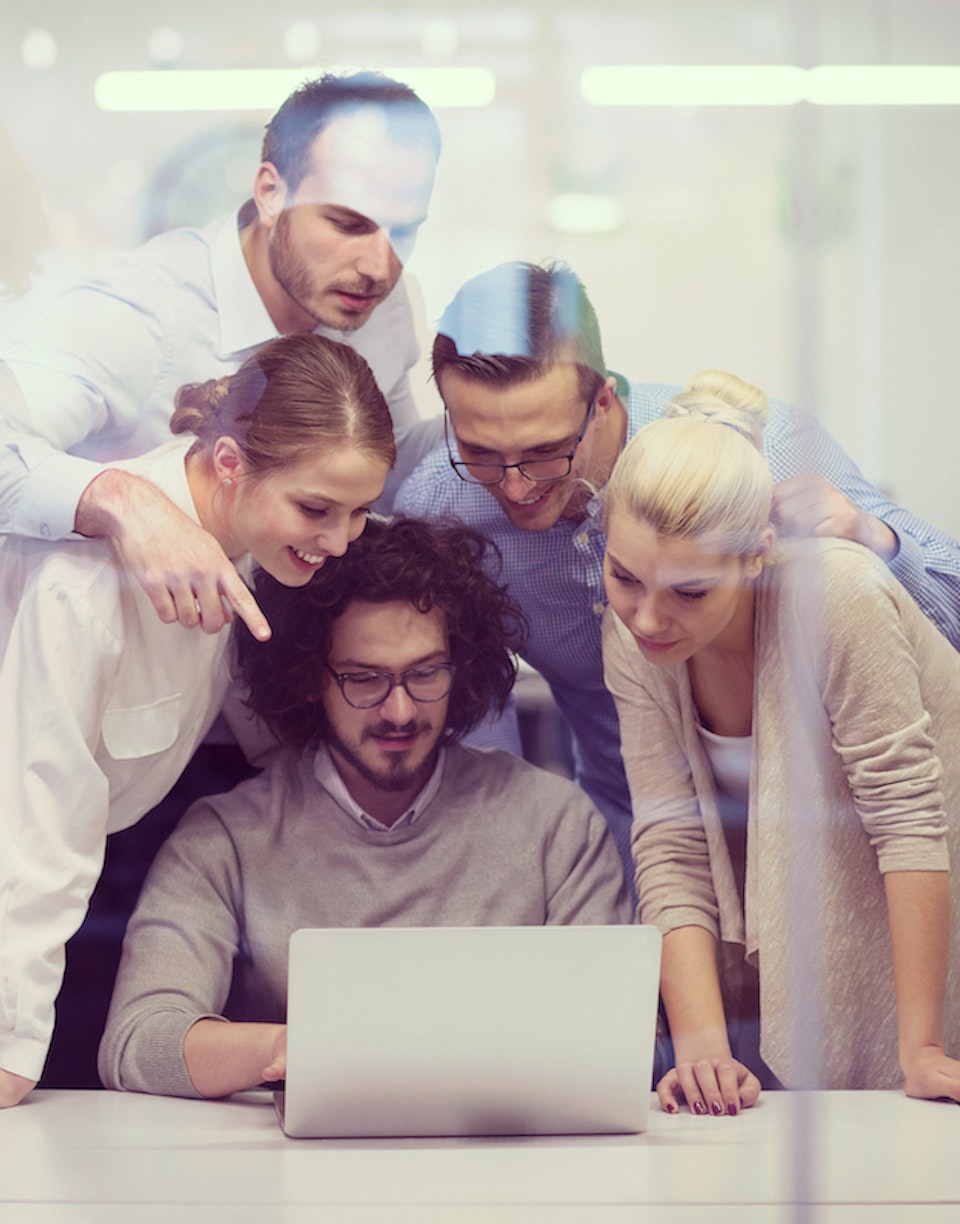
<point>557,577</point>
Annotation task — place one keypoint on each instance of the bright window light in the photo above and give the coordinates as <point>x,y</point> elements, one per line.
<point>230,89</point>
<point>770,85</point>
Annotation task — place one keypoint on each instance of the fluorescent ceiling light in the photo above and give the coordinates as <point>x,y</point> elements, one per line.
<point>231,89</point>
<point>876,85</point>
<point>688,85</point>
<point>579,213</point>
<point>770,85</point>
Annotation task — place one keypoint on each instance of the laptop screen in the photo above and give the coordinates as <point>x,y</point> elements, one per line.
<point>406,1031</point>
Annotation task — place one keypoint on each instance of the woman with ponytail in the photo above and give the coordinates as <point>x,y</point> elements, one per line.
<point>101,704</point>
<point>787,716</point>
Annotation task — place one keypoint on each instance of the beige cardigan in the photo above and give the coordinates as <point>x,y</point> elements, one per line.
<point>855,772</point>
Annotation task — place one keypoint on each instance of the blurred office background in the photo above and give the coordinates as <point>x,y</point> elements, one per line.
<point>810,247</point>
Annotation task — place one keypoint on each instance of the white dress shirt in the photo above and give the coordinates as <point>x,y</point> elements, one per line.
<point>101,707</point>
<point>99,364</point>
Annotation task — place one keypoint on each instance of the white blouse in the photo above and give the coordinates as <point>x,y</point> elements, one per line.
<point>101,707</point>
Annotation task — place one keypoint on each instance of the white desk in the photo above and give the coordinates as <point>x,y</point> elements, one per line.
<point>821,1158</point>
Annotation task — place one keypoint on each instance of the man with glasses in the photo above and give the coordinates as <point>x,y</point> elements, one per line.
<point>374,815</point>
<point>535,423</point>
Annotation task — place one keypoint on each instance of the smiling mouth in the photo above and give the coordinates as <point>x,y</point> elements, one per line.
<point>531,501</point>
<point>308,558</point>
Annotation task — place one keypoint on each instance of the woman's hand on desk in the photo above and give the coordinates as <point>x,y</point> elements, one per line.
<point>13,1088</point>
<point>709,1086</point>
<point>931,1074</point>
<point>706,1076</point>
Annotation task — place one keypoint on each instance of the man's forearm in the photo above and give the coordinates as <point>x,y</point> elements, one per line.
<point>222,1058</point>
<point>110,500</point>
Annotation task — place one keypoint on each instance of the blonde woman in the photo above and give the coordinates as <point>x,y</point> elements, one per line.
<point>788,719</point>
<point>102,705</point>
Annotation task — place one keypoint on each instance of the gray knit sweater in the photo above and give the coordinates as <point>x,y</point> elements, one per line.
<point>502,843</point>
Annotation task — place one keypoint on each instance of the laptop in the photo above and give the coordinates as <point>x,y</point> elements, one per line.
<point>412,1031</point>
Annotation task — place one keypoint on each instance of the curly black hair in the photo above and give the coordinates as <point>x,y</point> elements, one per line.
<point>432,565</point>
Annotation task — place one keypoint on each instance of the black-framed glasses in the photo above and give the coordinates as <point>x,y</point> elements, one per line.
<point>366,689</point>
<point>554,468</point>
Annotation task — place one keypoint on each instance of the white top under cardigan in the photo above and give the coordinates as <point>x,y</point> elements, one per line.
<point>855,772</point>
<point>101,707</point>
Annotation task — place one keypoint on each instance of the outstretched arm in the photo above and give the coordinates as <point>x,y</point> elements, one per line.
<point>919,907</point>
<point>59,403</point>
<point>166,1032</point>
<point>706,1075</point>
<point>810,505</point>
<point>182,568</point>
<point>675,886</point>
<point>821,492</point>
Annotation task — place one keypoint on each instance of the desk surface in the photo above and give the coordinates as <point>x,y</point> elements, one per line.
<point>817,1158</point>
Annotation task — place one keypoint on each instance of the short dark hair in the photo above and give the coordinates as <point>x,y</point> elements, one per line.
<point>431,565</point>
<point>303,116</point>
<point>516,322</point>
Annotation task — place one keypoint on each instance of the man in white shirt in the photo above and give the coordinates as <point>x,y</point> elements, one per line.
<point>375,815</point>
<point>347,172</point>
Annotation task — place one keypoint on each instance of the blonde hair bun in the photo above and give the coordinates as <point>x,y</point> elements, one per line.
<point>690,480</point>
<point>723,399</point>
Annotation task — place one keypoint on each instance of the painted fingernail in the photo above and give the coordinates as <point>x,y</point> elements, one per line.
<point>699,1107</point>
<point>717,1108</point>
<point>732,1109</point>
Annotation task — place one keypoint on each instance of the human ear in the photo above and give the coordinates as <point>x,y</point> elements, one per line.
<point>228,463</point>
<point>269,193</point>
<point>765,542</point>
<point>606,397</point>
<point>754,563</point>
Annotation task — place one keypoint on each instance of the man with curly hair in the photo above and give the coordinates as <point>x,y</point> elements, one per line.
<point>374,813</point>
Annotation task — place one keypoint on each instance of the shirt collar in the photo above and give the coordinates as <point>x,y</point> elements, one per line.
<point>329,778</point>
<point>244,321</point>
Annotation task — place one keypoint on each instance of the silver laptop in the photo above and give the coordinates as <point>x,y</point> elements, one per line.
<point>400,1031</point>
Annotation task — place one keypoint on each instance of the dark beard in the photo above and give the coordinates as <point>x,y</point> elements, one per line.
<point>396,777</point>
<point>294,278</point>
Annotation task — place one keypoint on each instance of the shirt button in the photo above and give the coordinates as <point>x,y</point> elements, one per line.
<point>45,530</point>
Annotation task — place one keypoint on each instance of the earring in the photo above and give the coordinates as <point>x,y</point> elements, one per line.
<point>228,482</point>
